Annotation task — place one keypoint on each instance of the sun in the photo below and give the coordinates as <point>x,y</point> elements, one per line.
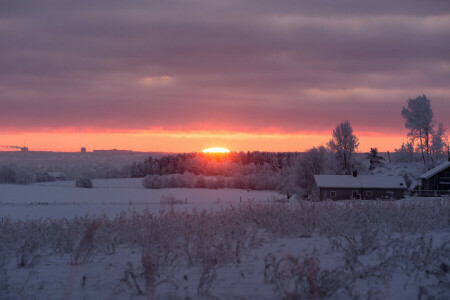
<point>216,150</point>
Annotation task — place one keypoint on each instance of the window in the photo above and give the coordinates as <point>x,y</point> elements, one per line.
<point>369,194</point>
<point>389,195</point>
<point>333,194</point>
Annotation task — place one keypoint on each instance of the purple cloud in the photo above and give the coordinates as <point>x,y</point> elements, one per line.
<point>295,66</point>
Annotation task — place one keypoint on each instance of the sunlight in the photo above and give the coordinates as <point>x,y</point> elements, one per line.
<point>216,150</point>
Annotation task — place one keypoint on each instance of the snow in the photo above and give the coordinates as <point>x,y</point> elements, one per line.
<point>360,181</point>
<point>111,197</point>
<point>235,242</point>
<point>135,183</point>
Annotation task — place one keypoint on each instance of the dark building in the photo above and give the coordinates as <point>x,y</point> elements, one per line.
<point>55,176</point>
<point>436,182</point>
<point>365,187</point>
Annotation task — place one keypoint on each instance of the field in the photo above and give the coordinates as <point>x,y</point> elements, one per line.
<point>110,197</point>
<point>120,241</point>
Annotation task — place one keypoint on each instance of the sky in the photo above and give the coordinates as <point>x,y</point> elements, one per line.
<point>181,76</point>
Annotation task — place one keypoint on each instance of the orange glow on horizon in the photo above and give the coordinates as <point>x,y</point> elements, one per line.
<point>177,141</point>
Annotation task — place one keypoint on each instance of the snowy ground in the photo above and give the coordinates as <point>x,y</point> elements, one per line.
<point>257,249</point>
<point>111,197</point>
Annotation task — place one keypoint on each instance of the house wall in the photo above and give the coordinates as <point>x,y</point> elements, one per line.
<point>347,193</point>
<point>437,182</point>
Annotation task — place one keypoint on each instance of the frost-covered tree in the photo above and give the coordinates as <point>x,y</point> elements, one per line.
<point>7,174</point>
<point>201,182</point>
<point>439,142</point>
<point>344,143</point>
<point>405,153</point>
<point>315,161</point>
<point>153,182</point>
<point>25,177</point>
<point>419,120</point>
<point>374,159</point>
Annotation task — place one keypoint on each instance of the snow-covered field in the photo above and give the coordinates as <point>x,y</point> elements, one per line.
<point>111,197</point>
<point>121,241</point>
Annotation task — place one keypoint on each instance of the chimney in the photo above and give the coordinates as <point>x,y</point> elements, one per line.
<point>355,173</point>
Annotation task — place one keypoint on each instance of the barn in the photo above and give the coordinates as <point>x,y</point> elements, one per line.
<point>436,182</point>
<point>365,187</point>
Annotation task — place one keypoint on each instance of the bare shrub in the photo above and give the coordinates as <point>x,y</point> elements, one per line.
<point>301,277</point>
<point>207,241</point>
<point>132,280</point>
<point>85,249</point>
<point>270,268</point>
<point>27,256</point>
<point>206,280</point>
<point>3,276</point>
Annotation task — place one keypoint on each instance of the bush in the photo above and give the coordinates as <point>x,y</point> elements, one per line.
<point>153,182</point>
<point>84,182</point>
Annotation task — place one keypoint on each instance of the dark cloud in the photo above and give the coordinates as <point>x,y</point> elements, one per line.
<point>294,66</point>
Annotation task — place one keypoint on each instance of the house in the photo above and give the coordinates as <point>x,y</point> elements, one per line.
<point>366,187</point>
<point>56,175</point>
<point>436,182</point>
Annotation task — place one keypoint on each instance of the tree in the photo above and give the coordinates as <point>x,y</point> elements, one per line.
<point>313,162</point>
<point>25,177</point>
<point>405,153</point>
<point>7,175</point>
<point>344,143</point>
<point>419,120</point>
<point>439,142</point>
<point>374,159</point>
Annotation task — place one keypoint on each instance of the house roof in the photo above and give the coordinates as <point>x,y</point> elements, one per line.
<point>435,170</point>
<point>361,181</point>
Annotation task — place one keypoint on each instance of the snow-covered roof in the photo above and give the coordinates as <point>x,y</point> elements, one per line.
<point>361,181</point>
<point>436,170</point>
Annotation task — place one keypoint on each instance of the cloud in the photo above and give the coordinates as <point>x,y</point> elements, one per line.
<point>156,80</point>
<point>253,65</point>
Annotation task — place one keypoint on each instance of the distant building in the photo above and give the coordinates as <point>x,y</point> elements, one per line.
<point>112,151</point>
<point>83,149</point>
<point>24,149</point>
<point>56,175</point>
<point>365,187</point>
<point>436,182</point>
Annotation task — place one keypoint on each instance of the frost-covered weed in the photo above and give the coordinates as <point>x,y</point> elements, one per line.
<point>205,241</point>
<point>132,280</point>
<point>301,277</point>
<point>85,248</point>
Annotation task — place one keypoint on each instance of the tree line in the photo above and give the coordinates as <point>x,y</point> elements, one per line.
<point>228,164</point>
